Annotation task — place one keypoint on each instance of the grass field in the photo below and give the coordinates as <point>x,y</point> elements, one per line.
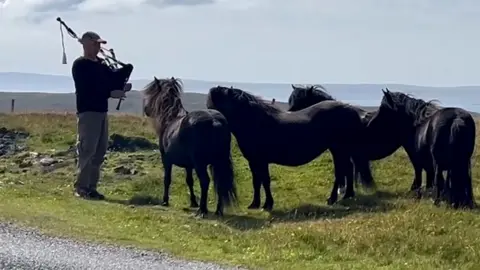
<point>387,230</point>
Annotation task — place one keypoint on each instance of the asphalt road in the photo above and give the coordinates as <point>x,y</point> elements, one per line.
<point>22,248</point>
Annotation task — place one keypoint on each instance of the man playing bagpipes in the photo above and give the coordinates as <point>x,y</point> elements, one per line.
<point>95,82</point>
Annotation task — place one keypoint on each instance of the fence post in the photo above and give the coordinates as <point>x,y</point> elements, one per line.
<point>12,106</point>
<point>143,106</point>
<point>273,101</point>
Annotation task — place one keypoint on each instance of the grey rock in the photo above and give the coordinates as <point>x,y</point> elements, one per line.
<point>47,161</point>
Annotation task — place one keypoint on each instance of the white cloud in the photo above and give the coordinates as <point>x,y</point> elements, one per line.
<point>422,41</point>
<point>109,5</point>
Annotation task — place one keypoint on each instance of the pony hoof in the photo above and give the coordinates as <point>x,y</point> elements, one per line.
<point>254,205</point>
<point>219,213</point>
<point>201,214</point>
<point>165,203</point>
<point>267,208</point>
<point>414,188</point>
<point>193,204</point>
<point>371,187</point>
<point>429,191</point>
<point>348,195</point>
<point>331,201</point>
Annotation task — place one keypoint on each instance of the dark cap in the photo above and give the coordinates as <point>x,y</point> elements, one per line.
<point>92,36</point>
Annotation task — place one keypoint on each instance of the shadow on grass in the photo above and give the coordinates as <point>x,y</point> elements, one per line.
<point>137,200</point>
<point>238,222</point>
<point>243,222</point>
<point>374,203</point>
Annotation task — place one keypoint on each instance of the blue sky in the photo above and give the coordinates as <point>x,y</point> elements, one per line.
<point>423,42</point>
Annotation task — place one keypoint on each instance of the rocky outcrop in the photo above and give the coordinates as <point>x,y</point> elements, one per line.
<point>12,141</point>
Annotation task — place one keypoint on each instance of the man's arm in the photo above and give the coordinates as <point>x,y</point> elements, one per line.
<point>85,79</point>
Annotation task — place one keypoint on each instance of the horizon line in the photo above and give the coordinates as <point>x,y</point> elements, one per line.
<point>283,83</point>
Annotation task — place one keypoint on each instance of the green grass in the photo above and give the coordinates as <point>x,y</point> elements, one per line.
<point>386,230</point>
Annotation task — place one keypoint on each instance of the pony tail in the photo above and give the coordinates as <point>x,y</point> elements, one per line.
<point>224,181</point>
<point>461,192</point>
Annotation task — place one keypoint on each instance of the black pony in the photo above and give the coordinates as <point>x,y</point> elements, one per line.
<point>266,134</point>
<point>435,139</point>
<point>191,140</point>
<point>304,96</point>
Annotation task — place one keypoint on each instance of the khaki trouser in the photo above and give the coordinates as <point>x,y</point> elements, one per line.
<point>92,143</point>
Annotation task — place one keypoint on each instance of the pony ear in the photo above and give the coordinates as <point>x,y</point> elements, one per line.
<point>296,87</point>
<point>388,98</point>
<point>156,79</point>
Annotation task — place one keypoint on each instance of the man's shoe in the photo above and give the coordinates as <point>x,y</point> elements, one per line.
<point>82,193</point>
<point>96,195</point>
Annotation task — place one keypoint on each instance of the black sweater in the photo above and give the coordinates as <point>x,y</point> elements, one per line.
<point>94,81</point>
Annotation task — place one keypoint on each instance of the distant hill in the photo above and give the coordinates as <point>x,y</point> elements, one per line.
<point>40,92</point>
<point>30,102</point>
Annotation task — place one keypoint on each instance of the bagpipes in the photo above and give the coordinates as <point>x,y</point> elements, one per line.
<point>111,60</point>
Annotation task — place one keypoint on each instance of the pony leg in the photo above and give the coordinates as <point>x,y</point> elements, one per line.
<point>167,180</point>
<point>189,180</point>
<point>257,184</point>
<point>204,185</point>
<point>431,174</point>
<point>268,205</point>
<point>417,180</point>
<point>348,172</point>
<point>447,187</point>
<point>339,164</point>
<point>356,175</point>
<point>362,165</point>
<point>341,187</point>
<point>333,195</point>
<point>439,184</point>
<point>430,181</point>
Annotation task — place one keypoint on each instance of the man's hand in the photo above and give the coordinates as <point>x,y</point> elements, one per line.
<point>128,87</point>
<point>117,94</point>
